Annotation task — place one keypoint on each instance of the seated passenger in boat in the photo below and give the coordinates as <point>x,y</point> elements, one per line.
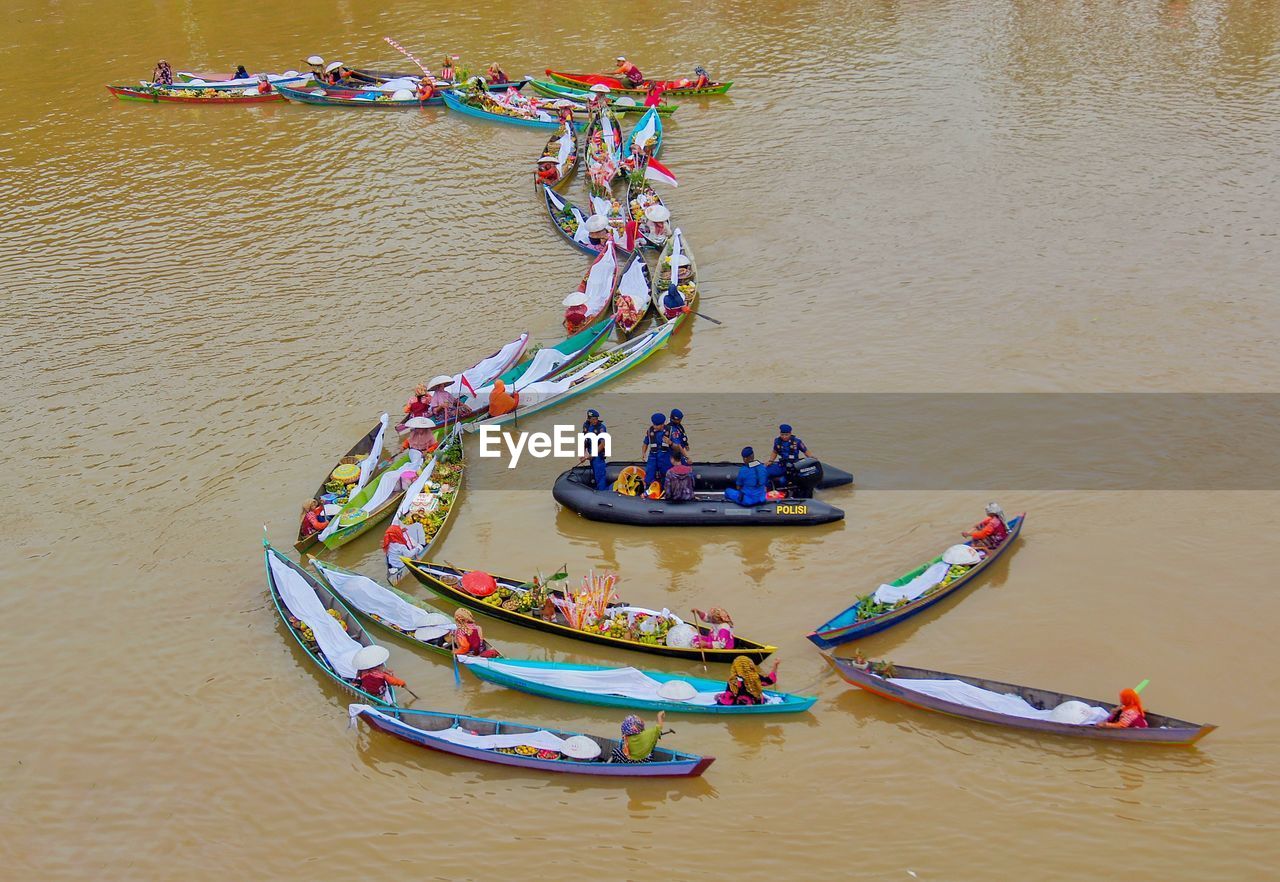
<point>677,484</point>
<point>548,172</point>
<point>241,73</point>
<point>598,99</point>
<point>398,542</point>
<point>497,74</point>
<point>638,742</point>
<point>447,71</point>
<point>163,74</point>
<point>657,226</point>
<point>316,64</point>
<point>752,483</point>
<point>468,639</point>
<point>746,683</point>
<point>991,530</point>
<point>598,230</point>
<point>1129,714</point>
<point>420,403</point>
<point>371,673</point>
<point>629,72</point>
<point>720,633</point>
<point>444,405</point>
<point>426,89</point>
<point>653,94</point>
<point>703,78</point>
<point>564,111</point>
<point>264,85</point>
<point>500,400</point>
<point>313,517</point>
<point>422,439</point>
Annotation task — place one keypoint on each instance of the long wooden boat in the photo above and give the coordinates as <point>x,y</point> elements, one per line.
<point>455,102</point>
<point>604,152</point>
<point>594,372</point>
<point>540,678</point>
<point>370,445</point>
<point>375,77</point>
<point>1161,729</point>
<point>670,87</point>
<point>164,95</point>
<point>432,729</point>
<point>344,583</point>
<point>563,148</point>
<point>568,219</point>
<point>480,374</point>
<point>623,104</point>
<point>188,81</point>
<point>281,568</point>
<point>431,499</point>
<point>684,282</point>
<point>866,616</point>
<point>648,131</point>
<point>445,581</point>
<point>366,509</point>
<point>596,289</point>
<point>632,297</point>
<point>328,96</point>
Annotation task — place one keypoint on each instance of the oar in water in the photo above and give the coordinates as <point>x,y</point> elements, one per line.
<point>709,318</point>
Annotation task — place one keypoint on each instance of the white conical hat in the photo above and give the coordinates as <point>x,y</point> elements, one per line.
<point>677,690</point>
<point>576,298</point>
<point>369,657</point>
<point>597,223</point>
<point>658,213</point>
<point>315,59</point>
<point>420,423</point>
<point>600,87</point>
<point>442,380</point>
<point>960,554</point>
<point>580,747</point>
<point>332,66</point>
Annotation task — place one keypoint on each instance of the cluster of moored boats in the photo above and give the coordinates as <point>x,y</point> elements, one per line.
<point>622,311</point>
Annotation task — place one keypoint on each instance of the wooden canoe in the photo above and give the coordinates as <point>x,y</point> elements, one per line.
<point>597,285</point>
<point>640,196</point>
<point>851,624</point>
<point>455,102</point>
<point>649,130</point>
<point>563,148</point>
<point>355,519</point>
<point>604,159</point>
<point>442,645</point>
<point>445,469</point>
<point>330,96</point>
<point>188,81</point>
<point>625,104</point>
<point>516,674</point>
<point>361,450</point>
<point>632,297</point>
<point>164,95</point>
<point>330,602</point>
<point>375,77</point>
<point>670,87</point>
<point>570,382</point>
<point>423,728</point>
<point>443,580</point>
<point>686,280</point>
<point>1161,729</point>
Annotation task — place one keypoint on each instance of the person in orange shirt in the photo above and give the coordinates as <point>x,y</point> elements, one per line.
<point>1129,715</point>
<point>703,80</point>
<point>991,530</point>
<point>629,72</point>
<point>264,85</point>
<point>500,400</point>
<point>372,675</point>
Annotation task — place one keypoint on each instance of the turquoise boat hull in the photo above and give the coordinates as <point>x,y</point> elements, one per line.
<point>454,103</point>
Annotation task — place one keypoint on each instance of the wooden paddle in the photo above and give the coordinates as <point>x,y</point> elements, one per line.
<point>702,652</point>
<point>708,318</point>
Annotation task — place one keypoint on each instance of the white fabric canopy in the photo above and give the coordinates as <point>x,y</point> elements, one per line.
<point>368,596</point>
<point>541,391</point>
<point>541,739</point>
<point>566,147</point>
<point>913,589</point>
<point>627,682</point>
<point>960,692</point>
<point>649,125</point>
<point>300,599</point>
<point>634,284</point>
<point>599,288</point>
<point>486,370</point>
<point>414,489</point>
<point>410,83</point>
<point>385,489</point>
<point>370,462</point>
<point>544,363</point>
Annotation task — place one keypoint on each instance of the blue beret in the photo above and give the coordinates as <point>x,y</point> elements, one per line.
<point>593,413</point>
<point>677,414</point>
<point>785,429</point>
<point>747,451</point>
<point>657,419</point>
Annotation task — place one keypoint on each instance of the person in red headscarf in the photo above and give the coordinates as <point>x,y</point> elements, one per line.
<point>1129,715</point>
<point>397,544</point>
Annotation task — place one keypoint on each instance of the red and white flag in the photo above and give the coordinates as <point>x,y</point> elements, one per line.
<point>467,383</point>
<point>660,174</point>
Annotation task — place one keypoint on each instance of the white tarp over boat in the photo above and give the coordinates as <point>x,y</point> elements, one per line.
<point>913,589</point>
<point>541,739</point>
<point>300,599</point>
<point>960,692</point>
<point>369,597</point>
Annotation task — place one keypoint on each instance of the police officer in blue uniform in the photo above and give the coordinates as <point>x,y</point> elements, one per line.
<point>595,426</point>
<point>676,430</point>
<point>788,449</point>
<point>752,485</point>
<point>657,449</point>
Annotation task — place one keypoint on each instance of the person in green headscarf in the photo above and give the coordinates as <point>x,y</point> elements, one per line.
<point>638,742</point>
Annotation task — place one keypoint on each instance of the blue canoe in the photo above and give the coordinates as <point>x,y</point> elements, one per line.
<point>567,217</point>
<point>650,127</point>
<point>454,102</point>
<point>852,624</point>
<point>597,684</point>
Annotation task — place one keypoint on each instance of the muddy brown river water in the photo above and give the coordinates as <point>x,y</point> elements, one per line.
<point>204,306</point>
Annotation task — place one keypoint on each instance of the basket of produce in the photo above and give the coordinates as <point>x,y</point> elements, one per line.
<point>347,473</point>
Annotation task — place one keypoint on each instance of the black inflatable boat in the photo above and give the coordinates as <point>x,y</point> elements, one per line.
<point>575,490</point>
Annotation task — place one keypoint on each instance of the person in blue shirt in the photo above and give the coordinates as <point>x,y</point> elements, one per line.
<point>595,426</point>
<point>657,449</point>
<point>752,483</point>
<point>676,431</point>
<point>788,449</point>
